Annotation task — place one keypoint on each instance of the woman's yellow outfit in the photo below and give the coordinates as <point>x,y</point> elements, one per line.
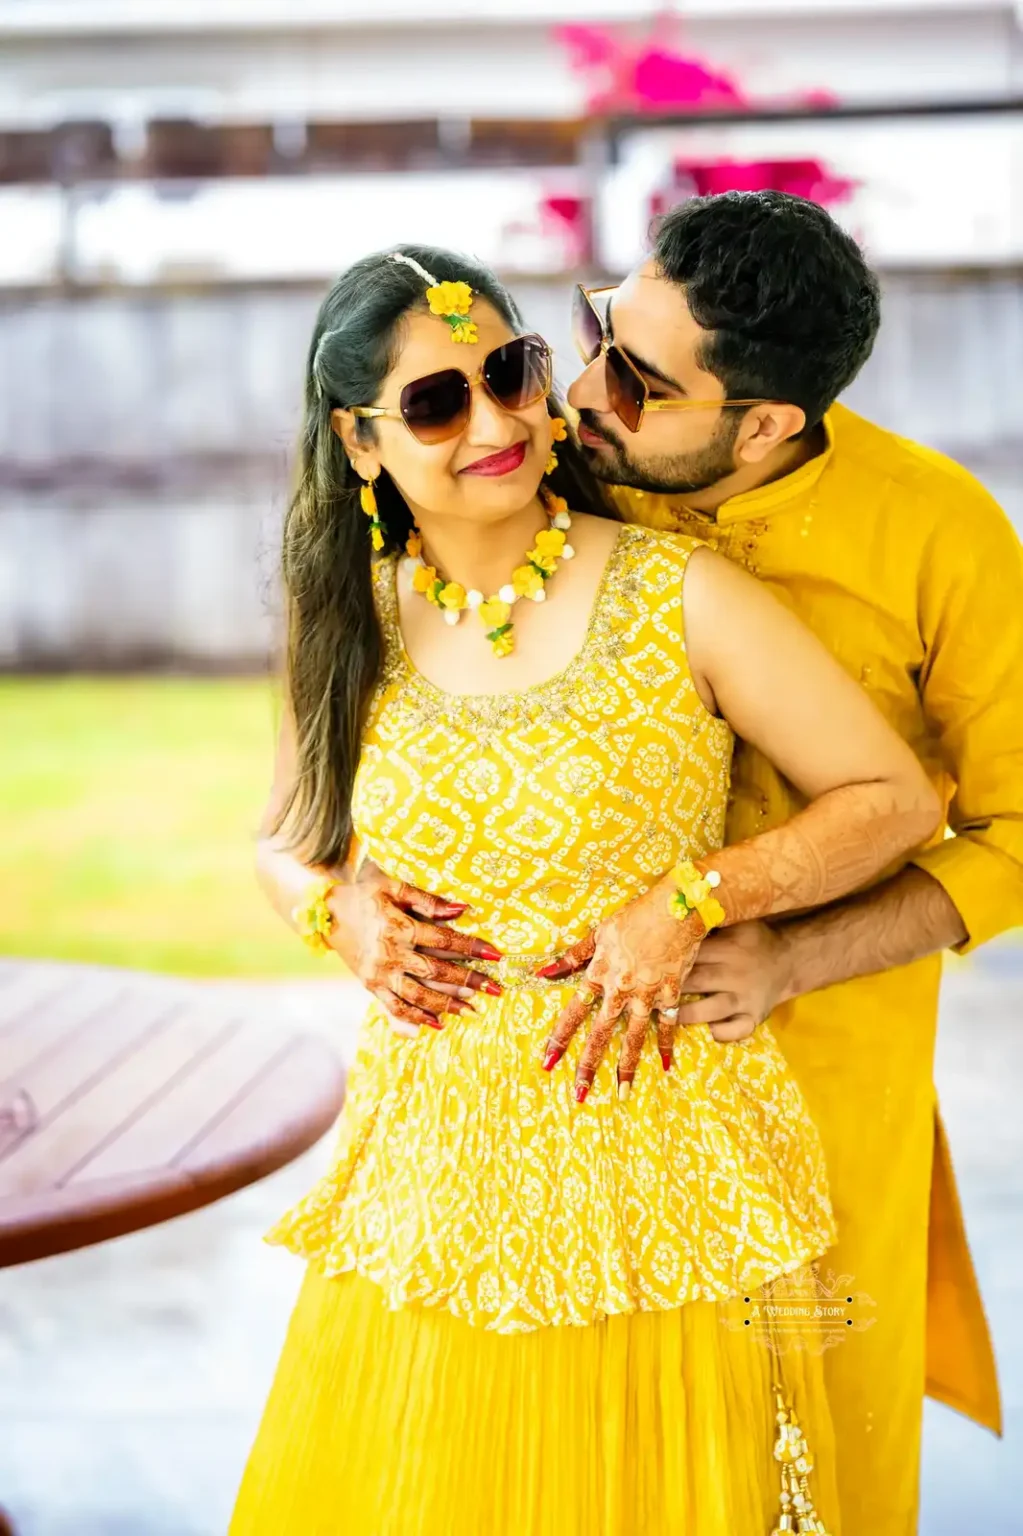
<point>517,1317</point>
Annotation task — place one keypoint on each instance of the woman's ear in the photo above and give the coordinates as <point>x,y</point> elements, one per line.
<point>362,456</point>
<point>766,427</point>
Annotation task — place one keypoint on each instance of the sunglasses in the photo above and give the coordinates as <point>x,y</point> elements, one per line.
<point>437,407</point>
<point>628,393</point>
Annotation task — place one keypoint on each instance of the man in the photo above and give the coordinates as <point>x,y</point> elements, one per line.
<point>911,574</point>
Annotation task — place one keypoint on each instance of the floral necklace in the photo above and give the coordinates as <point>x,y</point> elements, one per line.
<point>527,580</point>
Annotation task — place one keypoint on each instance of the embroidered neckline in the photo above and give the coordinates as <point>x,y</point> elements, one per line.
<point>613,606</point>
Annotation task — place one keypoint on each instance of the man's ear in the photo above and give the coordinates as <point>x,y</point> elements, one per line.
<point>362,456</point>
<point>765,428</point>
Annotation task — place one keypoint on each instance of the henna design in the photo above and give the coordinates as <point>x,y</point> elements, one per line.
<point>381,928</point>
<point>640,959</point>
<point>837,843</point>
<point>643,954</point>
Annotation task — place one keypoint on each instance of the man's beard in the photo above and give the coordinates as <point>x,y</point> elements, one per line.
<point>671,474</point>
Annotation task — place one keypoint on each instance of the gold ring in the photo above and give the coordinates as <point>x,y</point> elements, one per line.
<point>588,992</point>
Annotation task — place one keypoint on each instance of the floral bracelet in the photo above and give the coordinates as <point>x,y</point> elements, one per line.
<point>313,917</point>
<point>693,893</point>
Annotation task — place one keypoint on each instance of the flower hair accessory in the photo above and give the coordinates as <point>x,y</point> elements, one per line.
<point>451,301</point>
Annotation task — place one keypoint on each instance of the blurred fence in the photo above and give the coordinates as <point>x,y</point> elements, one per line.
<point>145,441</point>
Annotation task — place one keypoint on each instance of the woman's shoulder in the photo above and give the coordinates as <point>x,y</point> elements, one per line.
<point>642,540</point>
<point>651,551</point>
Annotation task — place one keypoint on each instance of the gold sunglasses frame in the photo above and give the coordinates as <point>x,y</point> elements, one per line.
<point>606,344</point>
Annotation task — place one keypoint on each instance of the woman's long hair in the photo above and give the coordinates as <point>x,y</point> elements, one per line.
<point>334,646</point>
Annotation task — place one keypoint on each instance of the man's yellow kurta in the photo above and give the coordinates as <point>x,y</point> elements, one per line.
<point>913,578</point>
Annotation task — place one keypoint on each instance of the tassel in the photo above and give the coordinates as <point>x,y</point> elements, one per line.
<point>795,1460</point>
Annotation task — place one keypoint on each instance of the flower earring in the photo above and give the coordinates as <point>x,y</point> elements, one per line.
<point>368,502</point>
<point>559,432</point>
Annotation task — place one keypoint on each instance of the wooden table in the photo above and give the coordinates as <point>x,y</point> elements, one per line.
<point>127,1099</point>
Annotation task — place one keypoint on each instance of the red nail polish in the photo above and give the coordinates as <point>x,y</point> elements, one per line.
<point>553,1056</point>
<point>666,1060</point>
<point>435,1024</point>
<point>456,908</point>
<point>549,971</point>
<point>493,987</point>
<point>581,1090</point>
<point>488,952</point>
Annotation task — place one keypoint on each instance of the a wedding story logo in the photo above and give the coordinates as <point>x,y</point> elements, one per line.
<point>808,1310</point>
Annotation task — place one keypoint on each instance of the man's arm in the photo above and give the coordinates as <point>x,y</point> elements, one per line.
<point>965,889</point>
<point>747,971</point>
<point>902,920</point>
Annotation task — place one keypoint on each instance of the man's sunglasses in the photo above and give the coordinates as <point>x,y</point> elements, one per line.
<point>437,407</point>
<point>628,394</point>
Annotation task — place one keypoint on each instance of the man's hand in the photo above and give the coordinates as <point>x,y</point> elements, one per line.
<point>743,973</point>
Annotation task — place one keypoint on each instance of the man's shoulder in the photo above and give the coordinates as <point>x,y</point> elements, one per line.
<point>939,488</point>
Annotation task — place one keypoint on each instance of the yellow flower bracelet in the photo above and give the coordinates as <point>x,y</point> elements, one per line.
<point>312,916</point>
<point>693,894</point>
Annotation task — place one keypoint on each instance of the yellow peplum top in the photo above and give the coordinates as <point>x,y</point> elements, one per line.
<point>467,1178</point>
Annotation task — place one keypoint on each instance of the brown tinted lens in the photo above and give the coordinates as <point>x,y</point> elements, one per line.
<point>436,407</point>
<point>625,393</point>
<point>518,374</point>
<point>587,330</point>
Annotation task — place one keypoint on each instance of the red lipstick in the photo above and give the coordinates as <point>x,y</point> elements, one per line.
<point>502,463</point>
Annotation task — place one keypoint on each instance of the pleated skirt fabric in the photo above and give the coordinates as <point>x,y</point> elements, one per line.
<point>412,1422</point>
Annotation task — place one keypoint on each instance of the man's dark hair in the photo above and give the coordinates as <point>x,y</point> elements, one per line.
<point>789,304</point>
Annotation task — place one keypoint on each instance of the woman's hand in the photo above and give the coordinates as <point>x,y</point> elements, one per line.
<point>640,960</point>
<point>390,935</point>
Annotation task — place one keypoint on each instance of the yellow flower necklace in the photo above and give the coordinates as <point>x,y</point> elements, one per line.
<point>528,580</point>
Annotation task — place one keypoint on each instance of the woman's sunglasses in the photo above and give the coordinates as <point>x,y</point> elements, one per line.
<point>628,394</point>
<point>437,407</point>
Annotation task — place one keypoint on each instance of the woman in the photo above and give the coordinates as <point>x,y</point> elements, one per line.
<point>524,1307</point>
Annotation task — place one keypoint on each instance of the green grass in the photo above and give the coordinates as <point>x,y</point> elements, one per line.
<point>128,816</point>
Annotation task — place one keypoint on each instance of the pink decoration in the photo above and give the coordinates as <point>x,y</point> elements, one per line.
<point>569,218</point>
<point>646,78</point>
<point>802,178</point>
<point>654,75</point>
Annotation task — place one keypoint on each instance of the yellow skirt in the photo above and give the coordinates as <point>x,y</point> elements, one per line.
<point>415,1423</point>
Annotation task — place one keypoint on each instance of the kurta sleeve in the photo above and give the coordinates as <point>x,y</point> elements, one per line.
<point>971,615</point>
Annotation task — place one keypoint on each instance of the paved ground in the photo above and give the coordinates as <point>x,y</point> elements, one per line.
<point>132,1374</point>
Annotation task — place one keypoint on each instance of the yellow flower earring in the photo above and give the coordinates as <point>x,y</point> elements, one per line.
<point>559,432</point>
<point>368,502</point>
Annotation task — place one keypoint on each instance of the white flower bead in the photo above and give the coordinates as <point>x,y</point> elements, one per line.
<point>540,596</point>
<point>507,594</point>
<point>409,564</point>
<point>452,615</point>
<point>568,553</point>
<point>712,877</point>
<point>562,520</point>
<point>473,599</point>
